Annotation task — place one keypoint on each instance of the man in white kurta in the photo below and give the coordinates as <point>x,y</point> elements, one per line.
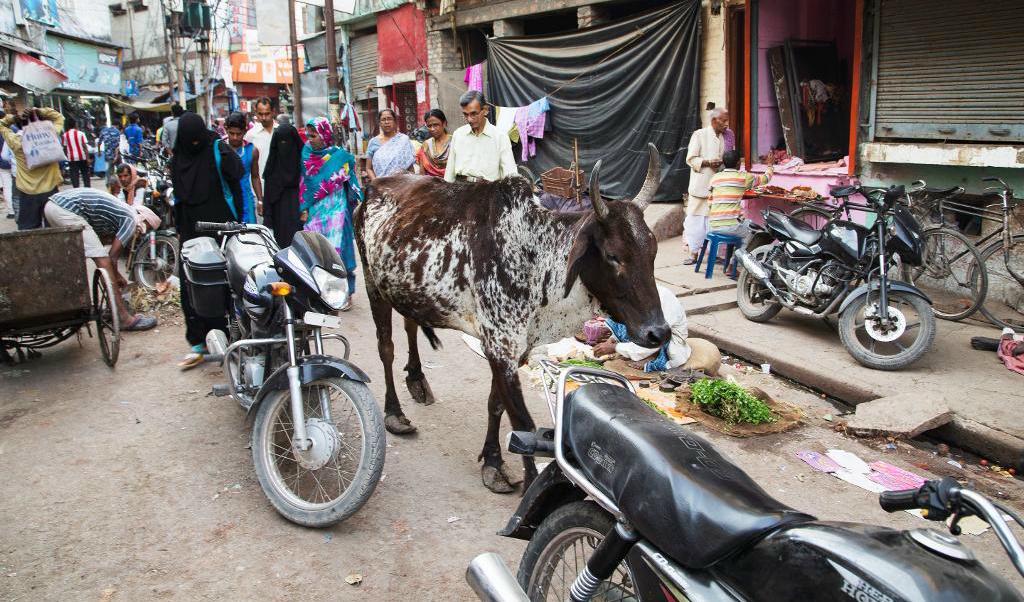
<point>704,156</point>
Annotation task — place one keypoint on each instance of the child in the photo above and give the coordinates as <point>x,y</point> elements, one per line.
<point>725,214</point>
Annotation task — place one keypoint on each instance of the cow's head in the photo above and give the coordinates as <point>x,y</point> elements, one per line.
<point>613,255</point>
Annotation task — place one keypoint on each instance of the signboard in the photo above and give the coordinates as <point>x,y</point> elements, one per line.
<point>5,64</point>
<point>274,67</point>
<point>41,11</point>
<point>35,75</point>
<point>131,88</point>
<point>89,68</point>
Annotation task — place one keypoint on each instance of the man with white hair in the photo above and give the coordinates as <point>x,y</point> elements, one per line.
<point>704,156</point>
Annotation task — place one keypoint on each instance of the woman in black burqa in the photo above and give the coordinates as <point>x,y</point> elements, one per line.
<point>281,178</point>
<point>202,193</point>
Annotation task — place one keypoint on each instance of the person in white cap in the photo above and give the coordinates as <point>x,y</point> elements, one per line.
<point>101,214</point>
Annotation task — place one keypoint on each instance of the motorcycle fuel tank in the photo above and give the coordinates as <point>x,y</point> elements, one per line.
<point>839,561</point>
<point>845,240</point>
<point>244,252</point>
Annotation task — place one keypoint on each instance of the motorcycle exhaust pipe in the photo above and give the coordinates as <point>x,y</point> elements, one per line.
<point>752,265</point>
<point>492,581</point>
<point>216,342</point>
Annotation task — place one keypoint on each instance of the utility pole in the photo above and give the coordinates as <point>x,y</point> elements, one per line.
<point>180,61</point>
<point>168,54</point>
<point>333,110</point>
<point>296,80</point>
<point>131,28</point>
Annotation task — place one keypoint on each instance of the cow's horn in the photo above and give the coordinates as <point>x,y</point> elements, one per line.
<point>646,194</point>
<point>600,207</point>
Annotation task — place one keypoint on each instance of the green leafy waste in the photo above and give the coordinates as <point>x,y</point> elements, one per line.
<point>730,402</point>
<point>584,363</point>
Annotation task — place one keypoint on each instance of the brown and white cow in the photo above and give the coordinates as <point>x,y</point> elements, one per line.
<point>483,258</point>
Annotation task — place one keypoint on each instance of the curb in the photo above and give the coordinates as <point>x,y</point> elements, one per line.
<point>961,432</point>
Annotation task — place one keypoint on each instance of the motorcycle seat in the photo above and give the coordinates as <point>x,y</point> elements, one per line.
<point>843,191</point>
<point>792,228</point>
<point>671,485</point>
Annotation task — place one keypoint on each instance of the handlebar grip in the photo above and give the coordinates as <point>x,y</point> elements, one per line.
<point>894,501</point>
<point>218,227</point>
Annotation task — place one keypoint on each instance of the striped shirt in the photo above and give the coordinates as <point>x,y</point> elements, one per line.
<point>107,215</point>
<point>75,144</point>
<point>727,188</point>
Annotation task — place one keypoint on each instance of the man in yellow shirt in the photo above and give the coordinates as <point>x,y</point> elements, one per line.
<point>35,185</point>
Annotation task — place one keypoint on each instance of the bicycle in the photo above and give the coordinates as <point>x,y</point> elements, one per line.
<point>945,273</point>
<point>1002,259</point>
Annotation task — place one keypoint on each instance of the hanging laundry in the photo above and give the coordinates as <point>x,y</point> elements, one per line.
<point>475,77</point>
<point>530,121</point>
<point>349,117</point>
<point>505,120</point>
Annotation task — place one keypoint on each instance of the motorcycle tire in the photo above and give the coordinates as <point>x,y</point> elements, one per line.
<point>866,355</point>
<point>564,529</point>
<point>746,285</point>
<point>168,245</point>
<point>271,443</point>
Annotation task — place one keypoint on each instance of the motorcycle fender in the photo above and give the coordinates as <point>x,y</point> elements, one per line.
<point>894,285</point>
<point>311,368</point>
<point>549,491</point>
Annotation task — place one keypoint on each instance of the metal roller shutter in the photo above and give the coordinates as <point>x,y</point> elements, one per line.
<point>364,65</point>
<point>950,70</point>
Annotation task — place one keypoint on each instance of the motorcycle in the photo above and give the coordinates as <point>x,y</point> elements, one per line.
<point>845,269</point>
<point>153,258</point>
<point>318,440</point>
<point>636,507</point>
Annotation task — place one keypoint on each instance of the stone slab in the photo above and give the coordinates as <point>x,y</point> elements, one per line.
<point>906,415</point>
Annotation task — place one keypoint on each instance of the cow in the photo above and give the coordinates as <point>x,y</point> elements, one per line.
<point>485,259</point>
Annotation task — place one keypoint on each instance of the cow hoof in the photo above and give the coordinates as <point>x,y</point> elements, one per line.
<point>509,474</point>
<point>420,391</point>
<point>495,480</point>
<point>398,424</point>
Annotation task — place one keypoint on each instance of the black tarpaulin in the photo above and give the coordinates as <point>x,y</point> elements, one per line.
<point>614,88</point>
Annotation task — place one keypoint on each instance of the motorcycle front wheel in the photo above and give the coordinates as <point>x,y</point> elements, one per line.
<point>892,346</point>
<point>150,271</point>
<point>560,549</point>
<point>331,480</point>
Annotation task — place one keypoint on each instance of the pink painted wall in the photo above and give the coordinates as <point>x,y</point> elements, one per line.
<point>780,20</point>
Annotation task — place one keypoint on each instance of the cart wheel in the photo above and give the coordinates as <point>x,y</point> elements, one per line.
<point>104,309</point>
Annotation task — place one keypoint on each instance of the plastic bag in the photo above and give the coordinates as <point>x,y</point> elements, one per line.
<point>41,144</point>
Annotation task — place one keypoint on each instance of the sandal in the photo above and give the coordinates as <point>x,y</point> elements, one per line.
<point>191,361</point>
<point>140,322</point>
<point>691,260</point>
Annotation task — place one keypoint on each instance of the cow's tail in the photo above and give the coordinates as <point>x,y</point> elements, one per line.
<point>431,337</point>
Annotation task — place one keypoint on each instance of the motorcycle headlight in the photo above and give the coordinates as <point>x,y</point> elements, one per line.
<point>333,290</point>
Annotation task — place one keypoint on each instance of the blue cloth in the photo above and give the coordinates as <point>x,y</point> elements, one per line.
<point>537,107</point>
<point>658,364</point>
<point>111,138</point>
<point>248,194</point>
<point>133,133</point>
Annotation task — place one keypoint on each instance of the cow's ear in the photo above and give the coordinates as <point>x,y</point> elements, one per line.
<point>579,249</point>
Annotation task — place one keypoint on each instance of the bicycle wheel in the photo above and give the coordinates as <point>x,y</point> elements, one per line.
<point>814,217</point>
<point>1004,303</point>
<point>946,274</point>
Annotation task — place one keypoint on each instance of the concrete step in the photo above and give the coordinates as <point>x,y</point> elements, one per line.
<point>706,303</point>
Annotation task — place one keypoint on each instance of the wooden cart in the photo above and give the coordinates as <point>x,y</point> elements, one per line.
<point>45,295</point>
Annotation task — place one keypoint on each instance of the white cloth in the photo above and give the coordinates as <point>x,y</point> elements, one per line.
<point>260,138</point>
<point>675,315</point>
<point>7,184</point>
<point>695,229</point>
<point>705,145</point>
<point>8,155</point>
<point>486,155</point>
<point>505,120</point>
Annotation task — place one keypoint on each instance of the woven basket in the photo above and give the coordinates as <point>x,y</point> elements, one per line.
<point>558,181</point>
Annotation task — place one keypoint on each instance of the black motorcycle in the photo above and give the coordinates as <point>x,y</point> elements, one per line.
<point>844,269</point>
<point>318,434</point>
<point>636,507</point>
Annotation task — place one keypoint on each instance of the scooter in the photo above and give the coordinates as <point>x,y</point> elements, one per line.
<point>318,440</point>
<point>636,507</point>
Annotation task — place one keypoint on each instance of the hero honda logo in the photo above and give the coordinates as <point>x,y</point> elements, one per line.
<point>601,457</point>
<point>859,589</point>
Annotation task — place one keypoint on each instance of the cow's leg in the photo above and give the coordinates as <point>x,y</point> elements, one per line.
<point>506,395</point>
<point>394,420</point>
<point>415,379</point>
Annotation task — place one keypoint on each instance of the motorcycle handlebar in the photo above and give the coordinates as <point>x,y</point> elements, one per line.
<point>220,227</point>
<point>894,501</point>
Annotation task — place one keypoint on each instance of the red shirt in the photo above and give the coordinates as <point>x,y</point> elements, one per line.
<point>75,145</point>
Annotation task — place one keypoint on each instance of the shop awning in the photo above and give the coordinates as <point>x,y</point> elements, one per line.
<point>35,75</point>
<point>157,107</point>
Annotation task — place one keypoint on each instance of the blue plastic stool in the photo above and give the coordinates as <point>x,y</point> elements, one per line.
<point>716,239</point>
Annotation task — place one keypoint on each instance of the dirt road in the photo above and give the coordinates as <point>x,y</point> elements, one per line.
<point>134,484</point>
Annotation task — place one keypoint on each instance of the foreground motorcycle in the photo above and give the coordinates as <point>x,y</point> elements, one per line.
<point>844,269</point>
<point>636,507</point>
<point>318,434</point>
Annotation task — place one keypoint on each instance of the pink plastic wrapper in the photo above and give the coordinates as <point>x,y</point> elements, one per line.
<point>595,331</point>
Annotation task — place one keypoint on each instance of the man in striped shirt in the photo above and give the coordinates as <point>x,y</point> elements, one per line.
<point>725,212</point>
<point>100,214</point>
<point>76,147</point>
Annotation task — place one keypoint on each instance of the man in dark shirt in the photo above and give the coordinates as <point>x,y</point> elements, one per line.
<point>100,214</point>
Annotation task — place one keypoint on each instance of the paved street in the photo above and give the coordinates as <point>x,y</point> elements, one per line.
<point>134,484</point>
